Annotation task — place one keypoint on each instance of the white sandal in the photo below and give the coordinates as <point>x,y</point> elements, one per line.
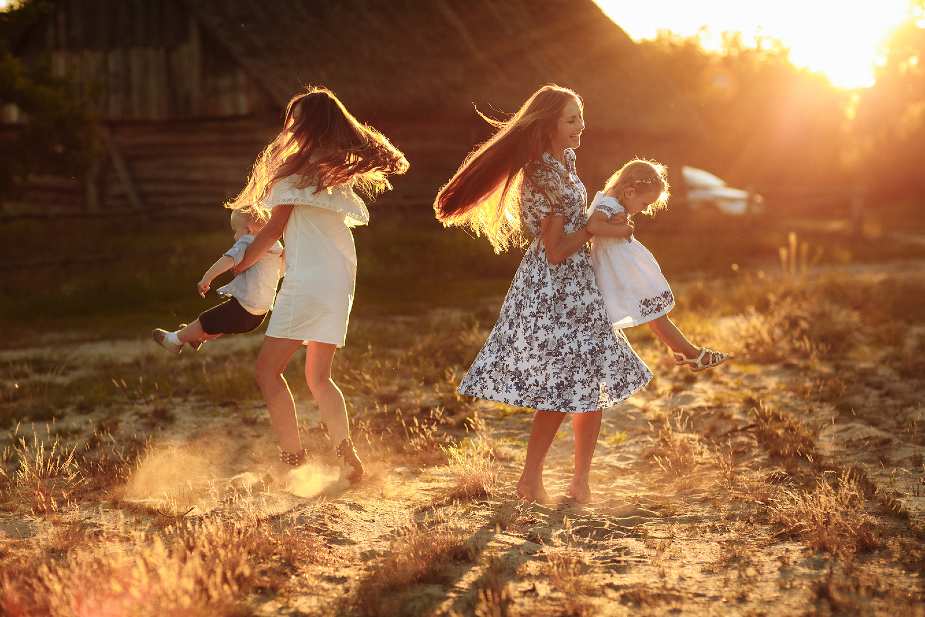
<point>714,358</point>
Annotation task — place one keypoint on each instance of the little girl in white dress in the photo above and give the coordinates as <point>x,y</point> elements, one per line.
<point>635,290</point>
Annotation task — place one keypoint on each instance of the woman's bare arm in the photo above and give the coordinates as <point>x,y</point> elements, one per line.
<point>558,244</point>
<point>265,238</point>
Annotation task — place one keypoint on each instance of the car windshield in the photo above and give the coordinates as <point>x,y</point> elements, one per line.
<point>699,177</point>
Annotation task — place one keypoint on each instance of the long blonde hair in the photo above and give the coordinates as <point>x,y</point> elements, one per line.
<point>642,174</point>
<point>484,193</point>
<point>323,142</point>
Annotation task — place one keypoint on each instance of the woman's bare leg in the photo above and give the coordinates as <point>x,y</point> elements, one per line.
<point>332,407</point>
<point>271,362</point>
<point>543,431</point>
<point>331,404</point>
<point>587,427</point>
<point>194,333</point>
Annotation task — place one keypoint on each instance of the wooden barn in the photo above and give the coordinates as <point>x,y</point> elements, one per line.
<point>187,91</point>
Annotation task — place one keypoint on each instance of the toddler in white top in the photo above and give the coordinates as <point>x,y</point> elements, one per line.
<point>635,290</point>
<point>250,294</point>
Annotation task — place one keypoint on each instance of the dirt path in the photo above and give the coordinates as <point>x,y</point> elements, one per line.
<point>706,492</point>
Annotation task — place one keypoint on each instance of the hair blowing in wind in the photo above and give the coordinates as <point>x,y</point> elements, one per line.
<point>483,194</point>
<point>327,145</point>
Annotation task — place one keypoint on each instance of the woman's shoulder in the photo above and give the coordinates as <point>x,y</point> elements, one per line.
<point>298,190</point>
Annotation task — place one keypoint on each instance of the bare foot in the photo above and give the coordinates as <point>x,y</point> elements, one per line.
<point>532,493</point>
<point>580,491</point>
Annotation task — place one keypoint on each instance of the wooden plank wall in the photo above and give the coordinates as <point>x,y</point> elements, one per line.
<point>142,60</point>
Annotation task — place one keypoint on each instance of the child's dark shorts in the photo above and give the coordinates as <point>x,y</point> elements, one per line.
<point>229,317</point>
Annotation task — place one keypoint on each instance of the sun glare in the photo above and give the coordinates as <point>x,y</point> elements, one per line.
<point>842,40</point>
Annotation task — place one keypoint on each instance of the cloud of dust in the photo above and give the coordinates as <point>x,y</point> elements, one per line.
<point>206,473</point>
<point>173,476</point>
<point>311,479</point>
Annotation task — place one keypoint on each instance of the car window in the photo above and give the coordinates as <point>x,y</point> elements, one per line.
<point>699,177</point>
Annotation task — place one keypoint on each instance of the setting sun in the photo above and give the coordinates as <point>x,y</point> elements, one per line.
<point>841,40</point>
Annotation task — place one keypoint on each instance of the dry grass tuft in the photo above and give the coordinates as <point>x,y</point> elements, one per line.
<point>782,435</point>
<point>493,596</point>
<point>472,464</point>
<point>566,568</point>
<point>45,477</point>
<point>419,556</point>
<point>676,448</point>
<point>830,518</point>
<point>195,568</point>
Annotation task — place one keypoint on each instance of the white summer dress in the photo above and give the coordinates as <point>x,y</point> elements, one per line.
<point>321,262</point>
<point>635,290</point>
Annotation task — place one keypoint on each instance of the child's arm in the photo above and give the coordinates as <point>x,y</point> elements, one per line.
<point>224,264</point>
<point>265,238</point>
<point>600,224</point>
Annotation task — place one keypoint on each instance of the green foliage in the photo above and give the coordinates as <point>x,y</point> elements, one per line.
<point>56,135</point>
<point>765,122</point>
<point>890,123</point>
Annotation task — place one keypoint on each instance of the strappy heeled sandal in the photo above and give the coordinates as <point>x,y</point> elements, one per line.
<point>347,452</point>
<point>713,359</point>
<point>293,459</point>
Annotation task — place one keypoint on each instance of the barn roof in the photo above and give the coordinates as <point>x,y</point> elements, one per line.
<point>407,59</point>
<point>437,57</point>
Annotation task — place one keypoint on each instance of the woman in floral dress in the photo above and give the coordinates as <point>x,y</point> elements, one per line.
<point>553,348</point>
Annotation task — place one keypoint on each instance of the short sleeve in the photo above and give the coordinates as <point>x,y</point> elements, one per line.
<point>341,199</point>
<point>236,252</point>
<point>542,186</point>
<point>605,204</point>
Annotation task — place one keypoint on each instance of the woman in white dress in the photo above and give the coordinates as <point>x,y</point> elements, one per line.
<point>635,290</point>
<point>306,178</point>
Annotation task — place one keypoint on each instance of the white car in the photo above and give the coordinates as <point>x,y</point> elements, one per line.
<point>704,191</point>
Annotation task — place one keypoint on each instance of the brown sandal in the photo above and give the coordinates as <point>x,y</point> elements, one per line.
<point>347,452</point>
<point>293,459</point>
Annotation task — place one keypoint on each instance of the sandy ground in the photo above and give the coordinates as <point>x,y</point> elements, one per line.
<point>679,524</point>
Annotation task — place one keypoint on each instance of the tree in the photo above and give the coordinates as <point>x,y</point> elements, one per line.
<point>55,134</point>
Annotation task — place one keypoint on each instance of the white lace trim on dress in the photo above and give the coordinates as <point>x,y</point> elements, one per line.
<point>340,198</point>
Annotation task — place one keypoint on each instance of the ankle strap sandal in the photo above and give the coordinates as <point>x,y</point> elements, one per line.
<point>348,454</point>
<point>293,459</point>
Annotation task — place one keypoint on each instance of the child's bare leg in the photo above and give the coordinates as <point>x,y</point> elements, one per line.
<point>194,333</point>
<point>669,334</point>
<point>331,403</point>
<point>271,362</point>
<point>545,425</point>
<point>587,427</point>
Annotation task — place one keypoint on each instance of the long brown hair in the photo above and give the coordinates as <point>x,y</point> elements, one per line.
<point>327,145</point>
<point>483,194</point>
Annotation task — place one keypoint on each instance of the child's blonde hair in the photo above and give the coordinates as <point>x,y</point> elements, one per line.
<point>642,174</point>
<point>244,218</point>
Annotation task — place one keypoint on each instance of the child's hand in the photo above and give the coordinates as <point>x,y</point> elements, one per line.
<point>203,287</point>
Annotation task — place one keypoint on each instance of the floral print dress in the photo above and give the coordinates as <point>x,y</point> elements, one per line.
<point>553,347</point>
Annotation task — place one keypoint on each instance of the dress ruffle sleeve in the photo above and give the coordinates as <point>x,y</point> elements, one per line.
<point>606,204</point>
<point>340,198</point>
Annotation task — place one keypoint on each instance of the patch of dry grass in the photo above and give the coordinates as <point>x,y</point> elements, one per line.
<point>832,517</point>
<point>782,435</point>
<point>200,567</point>
<point>676,449</point>
<point>45,475</point>
<point>474,469</point>
<point>419,556</point>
